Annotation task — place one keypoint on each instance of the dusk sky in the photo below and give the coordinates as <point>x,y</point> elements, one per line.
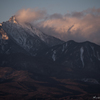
<point>10,7</point>
<point>77,20</point>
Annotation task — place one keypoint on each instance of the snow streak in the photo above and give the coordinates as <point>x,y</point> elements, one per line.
<point>81,55</point>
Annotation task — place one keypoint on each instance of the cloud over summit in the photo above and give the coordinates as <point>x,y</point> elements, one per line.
<point>78,26</point>
<point>30,15</point>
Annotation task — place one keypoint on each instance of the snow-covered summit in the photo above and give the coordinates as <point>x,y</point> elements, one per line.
<point>49,40</point>
<point>27,36</point>
<point>13,19</point>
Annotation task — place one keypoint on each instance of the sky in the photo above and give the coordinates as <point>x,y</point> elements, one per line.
<point>77,20</point>
<point>10,7</point>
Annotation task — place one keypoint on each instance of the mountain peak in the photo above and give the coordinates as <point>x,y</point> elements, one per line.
<point>13,19</point>
<point>71,41</point>
<point>26,36</point>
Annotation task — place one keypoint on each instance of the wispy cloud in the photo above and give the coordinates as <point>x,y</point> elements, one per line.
<point>30,15</point>
<point>78,26</point>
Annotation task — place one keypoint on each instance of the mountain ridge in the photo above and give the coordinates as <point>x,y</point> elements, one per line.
<point>27,36</point>
<point>34,65</point>
<point>36,43</point>
<point>74,54</point>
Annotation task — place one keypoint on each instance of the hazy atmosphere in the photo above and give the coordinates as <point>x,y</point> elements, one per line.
<point>66,19</point>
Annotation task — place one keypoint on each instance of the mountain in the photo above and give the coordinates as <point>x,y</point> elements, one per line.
<point>36,66</point>
<point>75,55</point>
<point>22,40</point>
<point>25,35</point>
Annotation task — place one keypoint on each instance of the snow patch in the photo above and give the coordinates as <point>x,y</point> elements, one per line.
<point>0,24</point>
<point>93,51</point>
<point>54,55</point>
<point>90,80</point>
<point>64,47</point>
<point>5,37</point>
<point>81,55</point>
<point>66,44</point>
<point>13,19</point>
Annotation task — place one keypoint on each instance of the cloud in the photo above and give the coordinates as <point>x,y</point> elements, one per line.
<point>55,16</point>
<point>92,11</point>
<point>30,15</point>
<point>78,26</point>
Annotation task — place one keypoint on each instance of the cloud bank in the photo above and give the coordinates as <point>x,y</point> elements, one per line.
<point>78,26</point>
